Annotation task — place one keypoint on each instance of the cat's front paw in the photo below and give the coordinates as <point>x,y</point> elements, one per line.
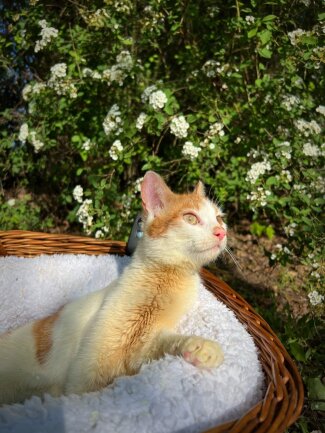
<point>202,353</point>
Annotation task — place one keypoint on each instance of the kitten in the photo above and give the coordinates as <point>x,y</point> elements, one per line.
<point>112,332</point>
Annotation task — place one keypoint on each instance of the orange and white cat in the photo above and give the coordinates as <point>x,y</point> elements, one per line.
<point>112,332</point>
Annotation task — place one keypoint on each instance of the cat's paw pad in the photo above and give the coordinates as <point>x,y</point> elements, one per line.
<point>202,353</point>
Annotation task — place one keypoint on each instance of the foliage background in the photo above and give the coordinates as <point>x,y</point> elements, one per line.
<point>229,92</point>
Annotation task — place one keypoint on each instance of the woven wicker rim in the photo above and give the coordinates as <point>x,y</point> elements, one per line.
<point>283,399</point>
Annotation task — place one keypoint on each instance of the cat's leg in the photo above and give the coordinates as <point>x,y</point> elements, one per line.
<point>198,351</point>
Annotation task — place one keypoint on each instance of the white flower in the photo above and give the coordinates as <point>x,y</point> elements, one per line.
<point>211,68</point>
<point>290,229</point>
<point>250,19</point>
<point>257,170</point>
<point>157,100</point>
<point>23,133</point>
<point>59,70</point>
<point>83,214</point>
<point>287,175</point>
<point>147,92</point>
<point>87,72</point>
<point>310,150</point>
<point>47,34</point>
<point>87,145</point>
<point>113,120</point>
<point>295,35</point>
<point>259,197</point>
<point>37,88</point>
<point>11,202</point>
<point>216,129</point>
<point>179,127</point>
<point>190,150</point>
<point>99,234</point>
<point>238,140</point>
<point>37,144</point>
<point>27,91</point>
<point>308,128</point>
<point>315,298</point>
<point>140,121</point>
<point>137,184</point>
<point>96,75</point>
<point>321,109</point>
<point>78,193</point>
<point>290,101</point>
<point>115,149</point>
<point>124,60</point>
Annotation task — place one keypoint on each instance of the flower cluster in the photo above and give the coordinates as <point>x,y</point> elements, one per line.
<point>96,19</point>
<point>308,128</point>
<point>113,120</point>
<point>37,144</point>
<point>280,251</point>
<point>290,229</point>
<point>147,92</point>
<point>212,68</point>
<point>190,150</point>
<point>250,19</point>
<point>115,149</point>
<point>259,197</point>
<point>284,150</point>
<point>321,109</point>
<point>87,145</point>
<point>179,127</point>
<point>59,84</point>
<point>84,215</point>
<point>215,130</point>
<point>32,89</point>
<point>119,71</point>
<point>315,298</point>
<point>311,150</point>
<point>257,170</point>
<point>23,133</point>
<point>157,100</point>
<point>290,101</point>
<point>47,34</point>
<point>78,193</point>
<point>141,121</point>
<point>296,35</point>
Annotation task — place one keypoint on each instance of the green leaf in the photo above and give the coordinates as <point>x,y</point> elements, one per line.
<point>269,18</point>
<point>264,36</point>
<point>265,52</point>
<point>252,33</point>
<point>297,351</point>
<point>269,231</point>
<point>316,391</point>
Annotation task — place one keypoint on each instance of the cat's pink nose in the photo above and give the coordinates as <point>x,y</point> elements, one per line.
<point>219,232</point>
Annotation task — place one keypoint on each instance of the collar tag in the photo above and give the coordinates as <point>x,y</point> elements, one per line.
<point>135,235</point>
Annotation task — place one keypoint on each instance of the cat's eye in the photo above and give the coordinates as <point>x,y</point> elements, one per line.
<point>190,219</point>
<point>220,220</point>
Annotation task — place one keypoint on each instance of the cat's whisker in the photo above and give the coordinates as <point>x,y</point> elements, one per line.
<point>232,256</point>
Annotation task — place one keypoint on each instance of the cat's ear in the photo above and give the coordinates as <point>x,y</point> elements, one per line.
<point>199,189</point>
<point>154,193</point>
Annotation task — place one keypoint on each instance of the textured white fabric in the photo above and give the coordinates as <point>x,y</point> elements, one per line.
<point>168,395</point>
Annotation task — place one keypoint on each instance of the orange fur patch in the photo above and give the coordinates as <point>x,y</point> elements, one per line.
<point>42,331</point>
<point>173,212</point>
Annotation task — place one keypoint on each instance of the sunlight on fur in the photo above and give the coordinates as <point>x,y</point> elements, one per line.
<point>112,332</point>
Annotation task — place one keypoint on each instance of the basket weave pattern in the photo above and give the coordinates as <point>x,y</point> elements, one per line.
<point>284,394</point>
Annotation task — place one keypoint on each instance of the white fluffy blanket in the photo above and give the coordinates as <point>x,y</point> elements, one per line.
<point>168,395</point>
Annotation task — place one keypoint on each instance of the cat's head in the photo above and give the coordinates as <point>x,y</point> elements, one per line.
<point>185,228</point>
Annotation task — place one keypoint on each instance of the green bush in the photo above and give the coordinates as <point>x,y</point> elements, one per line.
<point>228,92</point>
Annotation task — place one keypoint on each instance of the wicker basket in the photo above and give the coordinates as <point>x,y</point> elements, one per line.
<point>284,395</point>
